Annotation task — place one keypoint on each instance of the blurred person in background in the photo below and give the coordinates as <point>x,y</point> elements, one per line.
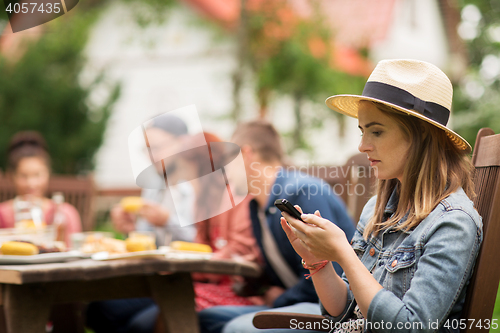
<point>29,166</point>
<point>283,285</point>
<point>229,234</point>
<point>158,214</point>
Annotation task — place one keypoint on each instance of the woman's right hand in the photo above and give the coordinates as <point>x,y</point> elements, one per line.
<point>296,242</point>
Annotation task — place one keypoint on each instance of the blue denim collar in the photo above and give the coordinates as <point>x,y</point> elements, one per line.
<point>392,203</point>
<point>391,206</point>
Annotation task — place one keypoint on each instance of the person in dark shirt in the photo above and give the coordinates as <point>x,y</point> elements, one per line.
<point>268,179</point>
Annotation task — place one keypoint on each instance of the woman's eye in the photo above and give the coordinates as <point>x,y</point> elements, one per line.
<point>377,133</point>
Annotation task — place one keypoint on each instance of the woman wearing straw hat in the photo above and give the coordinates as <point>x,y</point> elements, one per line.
<point>416,242</point>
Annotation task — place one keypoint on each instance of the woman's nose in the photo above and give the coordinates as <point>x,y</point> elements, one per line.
<point>364,146</point>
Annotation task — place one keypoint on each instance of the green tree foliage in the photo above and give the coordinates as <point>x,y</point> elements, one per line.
<point>41,91</point>
<point>147,12</point>
<point>477,96</point>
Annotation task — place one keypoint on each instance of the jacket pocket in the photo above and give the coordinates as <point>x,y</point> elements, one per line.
<point>400,269</point>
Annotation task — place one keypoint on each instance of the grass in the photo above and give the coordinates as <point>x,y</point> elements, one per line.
<point>496,312</point>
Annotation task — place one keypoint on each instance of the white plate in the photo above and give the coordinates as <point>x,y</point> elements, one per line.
<point>163,251</point>
<point>128,255</point>
<point>175,254</point>
<point>42,258</point>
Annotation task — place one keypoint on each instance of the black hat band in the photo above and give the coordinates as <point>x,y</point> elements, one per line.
<point>406,100</point>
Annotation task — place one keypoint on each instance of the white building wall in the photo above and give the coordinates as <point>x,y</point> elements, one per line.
<point>417,32</point>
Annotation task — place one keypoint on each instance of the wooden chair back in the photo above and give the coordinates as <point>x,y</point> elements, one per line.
<point>482,289</point>
<point>78,191</point>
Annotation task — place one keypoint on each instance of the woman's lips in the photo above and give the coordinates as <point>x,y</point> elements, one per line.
<point>373,162</point>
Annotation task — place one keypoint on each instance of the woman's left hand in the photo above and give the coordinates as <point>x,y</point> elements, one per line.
<point>320,237</point>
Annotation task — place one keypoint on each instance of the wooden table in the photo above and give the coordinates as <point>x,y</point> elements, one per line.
<point>28,291</point>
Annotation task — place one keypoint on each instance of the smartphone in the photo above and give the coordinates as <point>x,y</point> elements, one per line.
<point>285,206</point>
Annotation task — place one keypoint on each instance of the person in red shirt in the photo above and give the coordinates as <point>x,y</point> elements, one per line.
<point>28,163</point>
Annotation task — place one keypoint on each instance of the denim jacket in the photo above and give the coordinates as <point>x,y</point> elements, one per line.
<point>424,271</point>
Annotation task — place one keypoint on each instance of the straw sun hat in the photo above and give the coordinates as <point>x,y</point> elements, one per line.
<point>414,87</point>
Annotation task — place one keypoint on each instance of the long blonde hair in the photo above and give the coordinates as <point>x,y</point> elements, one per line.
<point>435,168</point>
